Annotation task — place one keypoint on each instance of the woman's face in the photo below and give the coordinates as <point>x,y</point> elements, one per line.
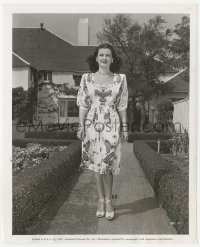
<point>104,57</point>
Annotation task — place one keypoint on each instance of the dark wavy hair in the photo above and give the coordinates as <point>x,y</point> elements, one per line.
<point>115,65</point>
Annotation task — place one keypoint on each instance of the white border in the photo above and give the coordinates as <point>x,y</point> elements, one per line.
<point>186,8</point>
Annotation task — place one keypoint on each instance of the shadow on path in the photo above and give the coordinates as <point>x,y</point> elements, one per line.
<point>136,207</point>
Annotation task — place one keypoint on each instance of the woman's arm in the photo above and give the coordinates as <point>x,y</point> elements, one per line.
<point>123,118</point>
<point>82,115</point>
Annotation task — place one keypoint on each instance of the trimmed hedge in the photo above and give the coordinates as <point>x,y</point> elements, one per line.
<point>73,135</point>
<point>153,165</point>
<point>22,143</point>
<point>34,187</point>
<point>164,146</point>
<point>51,135</point>
<point>170,187</point>
<point>149,136</point>
<point>173,196</point>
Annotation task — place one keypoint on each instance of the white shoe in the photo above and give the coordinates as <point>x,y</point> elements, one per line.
<point>100,214</point>
<point>109,215</point>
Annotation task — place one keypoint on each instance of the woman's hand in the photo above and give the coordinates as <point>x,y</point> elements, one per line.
<point>124,136</point>
<point>81,133</point>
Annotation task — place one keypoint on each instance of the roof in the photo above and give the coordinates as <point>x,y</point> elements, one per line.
<point>176,81</point>
<point>183,100</point>
<point>17,61</point>
<point>66,97</point>
<point>46,51</point>
<point>169,75</point>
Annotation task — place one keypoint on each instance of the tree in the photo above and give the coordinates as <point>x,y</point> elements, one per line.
<point>24,103</point>
<point>180,46</point>
<point>18,101</point>
<point>165,111</point>
<point>142,48</point>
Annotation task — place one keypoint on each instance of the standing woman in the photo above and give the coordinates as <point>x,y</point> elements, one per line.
<point>102,99</point>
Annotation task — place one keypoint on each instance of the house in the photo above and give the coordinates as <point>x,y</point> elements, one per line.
<point>181,114</point>
<point>21,73</point>
<point>179,89</point>
<point>41,56</point>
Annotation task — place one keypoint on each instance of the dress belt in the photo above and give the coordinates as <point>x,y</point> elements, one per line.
<point>111,107</point>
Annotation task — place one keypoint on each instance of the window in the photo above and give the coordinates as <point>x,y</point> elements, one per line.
<point>62,108</point>
<point>73,110</point>
<point>77,79</point>
<point>46,75</point>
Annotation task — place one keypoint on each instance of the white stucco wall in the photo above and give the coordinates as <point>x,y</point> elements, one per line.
<point>21,77</point>
<point>155,100</point>
<point>59,77</point>
<point>181,113</point>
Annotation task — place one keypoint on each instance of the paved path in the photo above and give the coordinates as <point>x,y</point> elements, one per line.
<point>73,210</point>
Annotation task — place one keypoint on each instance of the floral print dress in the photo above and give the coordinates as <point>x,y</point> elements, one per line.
<point>101,147</point>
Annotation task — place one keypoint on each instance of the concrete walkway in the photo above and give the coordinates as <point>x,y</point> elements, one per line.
<point>73,210</point>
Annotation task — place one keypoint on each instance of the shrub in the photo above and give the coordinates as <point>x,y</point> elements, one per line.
<point>173,195</point>
<point>165,111</point>
<point>169,184</point>
<point>22,143</point>
<point>33,188</point>
<point>32,155</point>
<point>164,146</point>
<point>153,165</point>
<point>52,135</point>
<point>149,136</point>
<point>180,143</point>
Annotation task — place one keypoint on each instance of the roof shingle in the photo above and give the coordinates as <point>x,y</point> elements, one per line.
<point>46,51</point>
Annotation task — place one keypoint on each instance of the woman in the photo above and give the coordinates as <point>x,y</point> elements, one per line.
<point>102,99</point>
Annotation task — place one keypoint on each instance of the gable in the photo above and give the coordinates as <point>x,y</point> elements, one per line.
<point>45,51</point>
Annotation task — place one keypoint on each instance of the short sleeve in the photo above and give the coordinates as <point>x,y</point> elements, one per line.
<point>123,97</point>
<point>83,99</point>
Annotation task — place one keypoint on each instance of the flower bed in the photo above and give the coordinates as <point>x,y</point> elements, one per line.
<point>32,155</point>
<point>34,187</point>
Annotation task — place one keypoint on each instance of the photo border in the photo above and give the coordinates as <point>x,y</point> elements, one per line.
<point>8,10</point>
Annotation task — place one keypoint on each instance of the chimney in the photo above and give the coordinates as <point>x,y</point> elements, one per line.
<point>42,26</point>
<point>83,31</point>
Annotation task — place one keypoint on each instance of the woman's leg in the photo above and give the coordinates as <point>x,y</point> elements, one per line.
<point>108,183</point>
<point>100,189</point>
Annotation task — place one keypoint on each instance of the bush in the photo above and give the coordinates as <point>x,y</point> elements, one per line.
<point>170,186</point>
<point>149,136</point>
<point>164,146</point>
<point>22,143</point>
<point>32,155</point>
<point>173,194</point>
<point>52,135</point>
<point>180,143</point>
<point>165,111</point>
<point>33,188</point>
<point>153,165</point>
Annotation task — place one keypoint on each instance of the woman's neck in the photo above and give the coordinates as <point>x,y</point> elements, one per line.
<point>104,71</point>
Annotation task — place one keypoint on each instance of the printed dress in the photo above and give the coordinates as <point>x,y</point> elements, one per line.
<point>101,147</point>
